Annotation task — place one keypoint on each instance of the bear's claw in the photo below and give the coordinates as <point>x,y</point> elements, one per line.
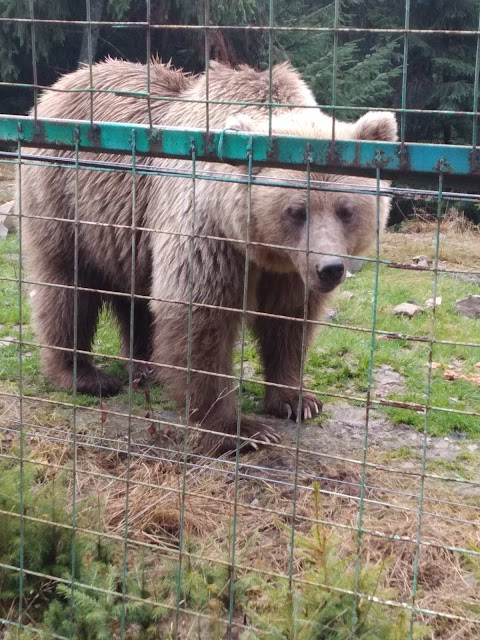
<point>284,404</point>
<point>253,435</point>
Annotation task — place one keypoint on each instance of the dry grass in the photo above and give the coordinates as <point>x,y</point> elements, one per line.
<point>458,241</point>
<point>263,518</point>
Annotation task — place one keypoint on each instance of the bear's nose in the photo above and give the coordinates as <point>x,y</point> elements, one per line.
<point>330,271</point>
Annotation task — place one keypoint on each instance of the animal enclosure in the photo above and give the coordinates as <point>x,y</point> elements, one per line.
<point>133,504</point>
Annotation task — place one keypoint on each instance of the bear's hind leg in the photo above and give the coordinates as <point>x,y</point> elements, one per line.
<point>142,334</point>
<point>280,344</point>
<point>54,318</point>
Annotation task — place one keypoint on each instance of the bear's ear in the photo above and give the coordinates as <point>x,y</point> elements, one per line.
<point>377,125</point>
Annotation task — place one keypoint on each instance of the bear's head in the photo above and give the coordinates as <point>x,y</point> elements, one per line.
<point>338,216</point>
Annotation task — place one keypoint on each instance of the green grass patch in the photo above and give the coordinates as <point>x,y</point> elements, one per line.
<point>340,358</point>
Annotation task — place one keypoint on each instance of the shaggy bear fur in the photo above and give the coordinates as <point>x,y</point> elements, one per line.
<point>180,257</point>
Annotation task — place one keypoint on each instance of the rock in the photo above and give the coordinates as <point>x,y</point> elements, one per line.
<point>3,231</point>
<point>422,262</point>
<point>407,309</point>
<point>8,217</point>
<point>346,295</point>
<point>418,259</point>
<point>429,302</point>
<point>6,341</point>
<point>355,265</point>
<point>386,381</point>
<point>330,314</point>
<point>469,307</point>
<point>6,209</point>
<point>349,275</point>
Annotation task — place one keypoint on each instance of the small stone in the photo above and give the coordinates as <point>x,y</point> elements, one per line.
<point>8,218</point>
<point>469,307</point>
<point>6,341</point>
<point>7,208</point>
<point>3,231</point>
<point>349,275</point>
<point>429,302</point>
<point>407,309</point>
<point>330,314</point>
<point>255,502</point>
<point>423,264</point>
<point>346,295</point>
<point>355,265</point>
<point>387,380</point>
<point>418,259</point>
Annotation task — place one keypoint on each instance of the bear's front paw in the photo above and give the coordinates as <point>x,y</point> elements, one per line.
<point>142,373</point>
<point>253,434</point>
<point>283,403</point>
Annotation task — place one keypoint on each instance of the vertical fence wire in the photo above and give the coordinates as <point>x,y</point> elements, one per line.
<point>270,63</point>
<point>149,61</point>
<point>298,421</point>
<point>90,57</point>
<point>131,355</point>
<point>476,81</point>
<point>368,408</point>
<point>239,443</point>
<point>427,410</point>
<point>206,20</point>
<point>34,58</point>
<point>76,231</point>
<point>188,416</point>
<point>406,40</point>
<point>22,452</point>
<point>336,23</point>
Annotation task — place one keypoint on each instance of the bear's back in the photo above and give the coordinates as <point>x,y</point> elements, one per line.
<point>119,89</point>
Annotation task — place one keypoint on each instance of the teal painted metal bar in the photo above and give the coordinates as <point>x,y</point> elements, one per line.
<point>352,157</point>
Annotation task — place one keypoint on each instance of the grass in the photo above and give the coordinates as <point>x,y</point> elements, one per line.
<point>339,360</point>
<point>341,357</point>
<point>324,554</point>
<point>321,604</point>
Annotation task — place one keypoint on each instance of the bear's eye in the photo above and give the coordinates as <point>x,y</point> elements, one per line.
<point>345,214</point>
<point>297,213</point>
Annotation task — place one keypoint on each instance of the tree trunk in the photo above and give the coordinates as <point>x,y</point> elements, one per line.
<point>96,12</point>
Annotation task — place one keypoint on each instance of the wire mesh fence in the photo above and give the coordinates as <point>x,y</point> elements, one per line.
<point>144,493</point>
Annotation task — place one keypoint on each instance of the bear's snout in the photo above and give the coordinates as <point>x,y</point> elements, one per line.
<point>330,272</point>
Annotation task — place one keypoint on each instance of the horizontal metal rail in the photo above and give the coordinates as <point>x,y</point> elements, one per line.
<point>341,156</point>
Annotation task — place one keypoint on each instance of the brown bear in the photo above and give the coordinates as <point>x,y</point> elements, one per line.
<point>190,243</point>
